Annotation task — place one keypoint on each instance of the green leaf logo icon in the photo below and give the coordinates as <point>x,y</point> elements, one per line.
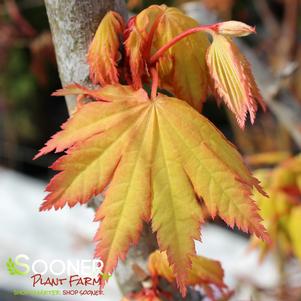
<point>105,276</point>
<point>12,268</point>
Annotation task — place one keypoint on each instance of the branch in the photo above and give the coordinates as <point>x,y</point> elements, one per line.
<point>73,24</point>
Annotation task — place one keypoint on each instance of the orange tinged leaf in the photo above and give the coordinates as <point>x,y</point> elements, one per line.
<point>73,89</point>
<point>157,156</point>
<point>206,271</point>
<point>215,168</point>
<point>127,201</point>
<point>232,78</point>
<point>103,51</point>
<point>203,271</point>
<point>183,75</point>
<point>86,122</point>
<point>88,167</point>
<point>108,93</point>
<point>158,265</point>
<point>134,47</point>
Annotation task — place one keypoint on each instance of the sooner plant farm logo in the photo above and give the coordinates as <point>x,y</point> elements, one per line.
<point>70,277</point>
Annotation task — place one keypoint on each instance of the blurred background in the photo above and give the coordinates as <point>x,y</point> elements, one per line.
<point>29,116</point>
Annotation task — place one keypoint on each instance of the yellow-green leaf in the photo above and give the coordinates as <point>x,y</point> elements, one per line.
<point>160,158</point>
<point>232,78</point>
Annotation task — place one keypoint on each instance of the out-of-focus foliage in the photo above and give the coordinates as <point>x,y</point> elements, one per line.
<point>222,7</point>
<point>16,83</point>
<point>27,63</point>
<point>281,211</point>
<point>267,159</point>
<point>282,218</point>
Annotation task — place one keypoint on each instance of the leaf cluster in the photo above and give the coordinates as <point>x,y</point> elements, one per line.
<point>155,157</point>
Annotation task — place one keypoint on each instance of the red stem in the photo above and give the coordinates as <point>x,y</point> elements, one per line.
<point>172,42</point>
<point>151,35</point>
<point>155,82</point>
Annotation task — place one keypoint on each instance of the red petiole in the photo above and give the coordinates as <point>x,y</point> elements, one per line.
<point>151,36</point>
<point>155,82</point>
<point>172,42</point>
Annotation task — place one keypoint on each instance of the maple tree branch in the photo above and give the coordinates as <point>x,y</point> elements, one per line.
<point>73,24</point>
<point>176,39</point>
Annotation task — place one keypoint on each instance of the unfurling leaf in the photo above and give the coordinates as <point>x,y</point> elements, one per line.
<point>183,75</point>
<point>158,156</point>
<point>232,78</point>
<point>134,48</point>
<point>103,52</point>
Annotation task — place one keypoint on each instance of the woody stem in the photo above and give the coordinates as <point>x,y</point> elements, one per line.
<point>155,82</point>
<point>184,34</point>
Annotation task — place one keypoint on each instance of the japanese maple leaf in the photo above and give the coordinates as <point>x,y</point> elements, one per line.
<point>158,158</point>
<point>183,75</point>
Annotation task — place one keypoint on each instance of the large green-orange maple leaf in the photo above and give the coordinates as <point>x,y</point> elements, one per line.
<point>159,158</point>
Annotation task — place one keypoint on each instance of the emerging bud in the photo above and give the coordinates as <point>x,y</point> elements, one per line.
<point>232,78</point>
<point>234,29</point>
<point>103,51</point>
